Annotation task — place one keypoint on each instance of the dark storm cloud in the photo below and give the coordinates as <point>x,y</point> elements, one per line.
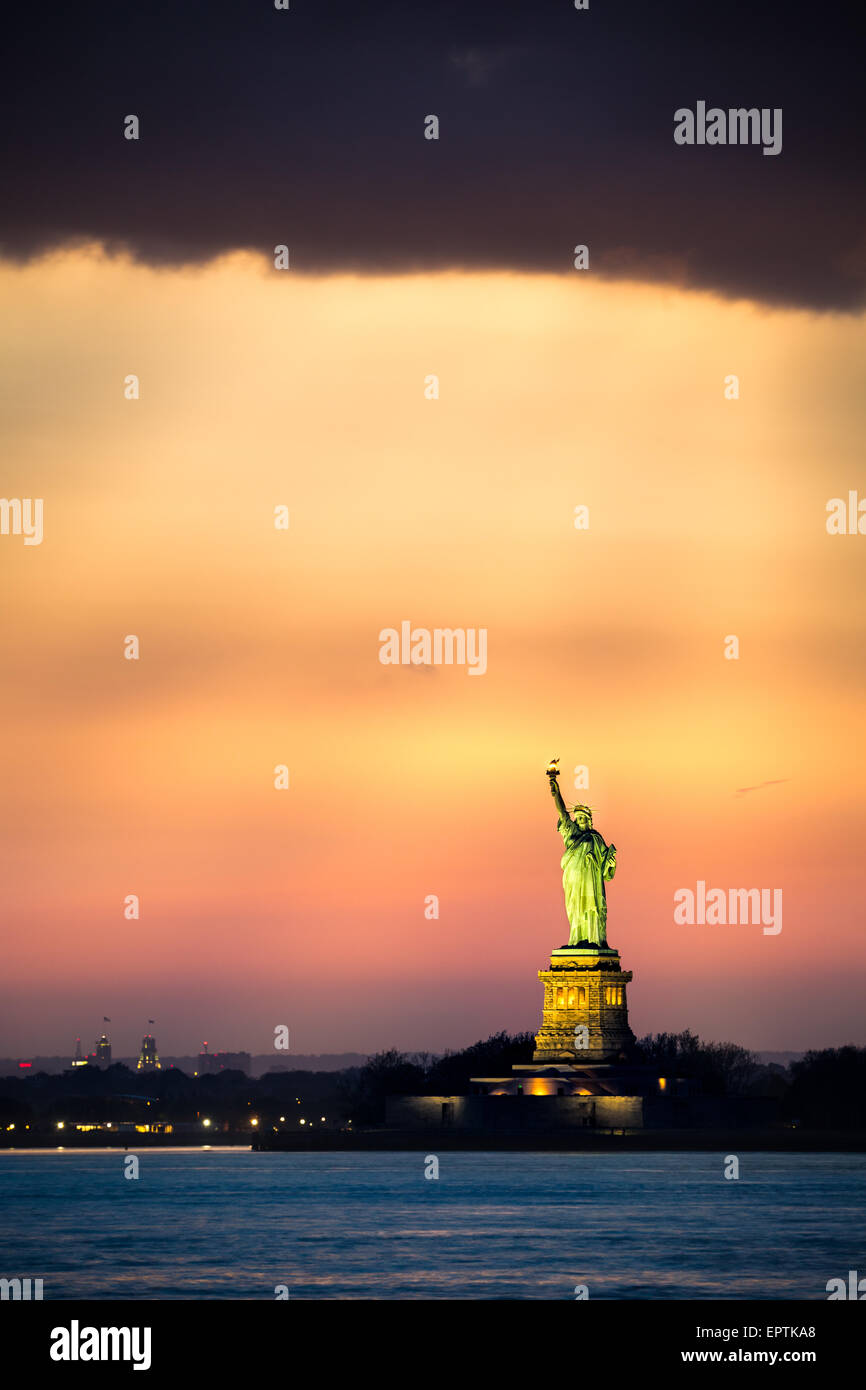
<point>305,126</point>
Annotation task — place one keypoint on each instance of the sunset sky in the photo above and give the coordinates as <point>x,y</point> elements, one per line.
<point>260,647</point>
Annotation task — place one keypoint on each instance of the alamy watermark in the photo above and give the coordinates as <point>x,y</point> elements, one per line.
<point>846,518</point>
<point>736,126</point>
<point>22,516</point>
<point>21,1289</point>
<point>77,1343</point>
<point>444,646</point>
<point>855,1289</point>
<point>715,907</point>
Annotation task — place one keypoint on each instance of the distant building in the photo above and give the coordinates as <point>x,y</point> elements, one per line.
<point>209,1062</point>
<point>79,1060</point>
<point>234,1061</point>
<point>148,1058</point>
<point>102,1056</point>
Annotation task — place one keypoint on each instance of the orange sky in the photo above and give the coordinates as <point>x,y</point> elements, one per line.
<point>259,647</point>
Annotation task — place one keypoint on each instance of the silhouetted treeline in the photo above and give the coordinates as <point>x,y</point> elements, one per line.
<point>721,1069</point>
<point>828,1089</point>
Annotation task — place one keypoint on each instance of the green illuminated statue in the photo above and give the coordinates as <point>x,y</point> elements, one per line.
<point>586,863</point>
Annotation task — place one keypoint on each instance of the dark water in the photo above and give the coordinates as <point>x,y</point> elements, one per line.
<point>212,1224</point>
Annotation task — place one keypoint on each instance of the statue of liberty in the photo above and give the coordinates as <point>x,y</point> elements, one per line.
<point>586,863</point>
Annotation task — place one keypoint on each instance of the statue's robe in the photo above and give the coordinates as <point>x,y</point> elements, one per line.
<point>585,866</point>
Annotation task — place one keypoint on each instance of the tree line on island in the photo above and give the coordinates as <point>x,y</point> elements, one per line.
<point>823,1090</point>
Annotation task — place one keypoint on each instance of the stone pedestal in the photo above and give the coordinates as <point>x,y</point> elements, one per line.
<point>585,1016</point>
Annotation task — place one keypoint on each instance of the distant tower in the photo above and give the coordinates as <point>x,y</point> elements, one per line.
<point>207,1062</point>
<point>148,1058</point>
<point>103,1052</point>
<point>78,1060</point>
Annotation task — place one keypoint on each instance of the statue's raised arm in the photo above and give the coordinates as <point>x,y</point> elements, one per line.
<point>553,773</point>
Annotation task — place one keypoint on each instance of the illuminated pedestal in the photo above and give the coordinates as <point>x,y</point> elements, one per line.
<point>585,1016</point>
<point>582,1067</point>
